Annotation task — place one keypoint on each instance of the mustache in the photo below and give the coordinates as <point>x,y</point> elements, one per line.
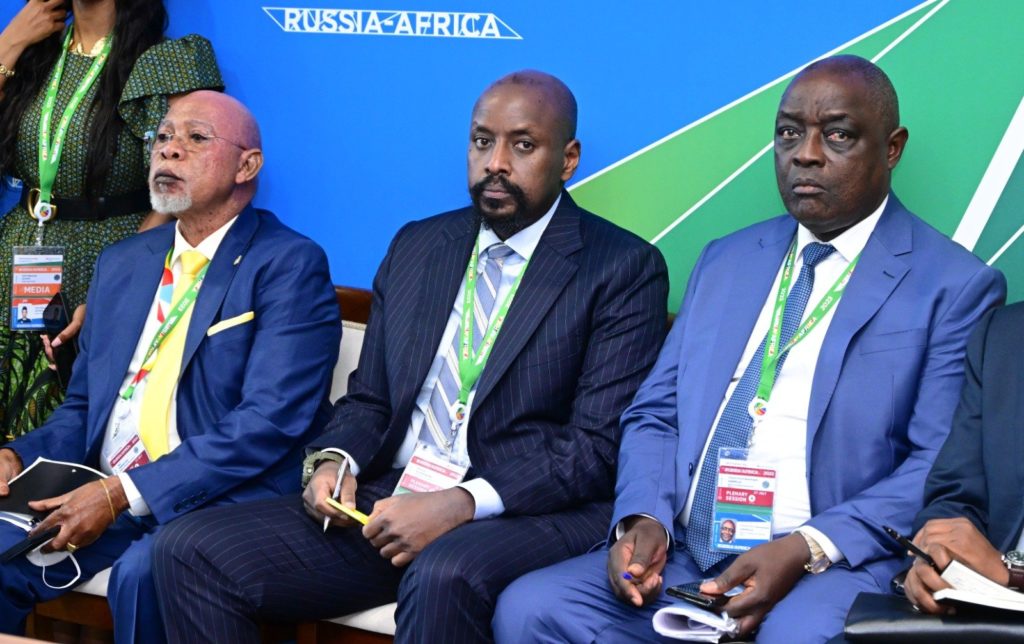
<point>477,191</point>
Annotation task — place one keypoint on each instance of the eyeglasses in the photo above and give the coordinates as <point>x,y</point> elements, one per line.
<point>193,142</point>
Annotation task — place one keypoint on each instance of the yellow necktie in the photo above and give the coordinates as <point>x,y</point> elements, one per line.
<point>161,381</point>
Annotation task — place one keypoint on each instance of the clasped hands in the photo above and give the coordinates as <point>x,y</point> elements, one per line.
<point>400,527</point>
<point>767,572</point>
<point>82,514</point>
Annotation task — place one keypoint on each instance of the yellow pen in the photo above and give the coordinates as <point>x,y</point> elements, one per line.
<point>355,514</point>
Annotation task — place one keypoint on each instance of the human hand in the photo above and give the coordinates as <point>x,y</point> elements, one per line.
<point>635,561</point>
<point>69,332</point>
<point>768,572</point>
<point>36,21</point>
<point>945,540</point>
<point>963,542</point>
<point>10,466</point>
<point>82,514</point>
<point>402,526</point>
<point>321,486</point>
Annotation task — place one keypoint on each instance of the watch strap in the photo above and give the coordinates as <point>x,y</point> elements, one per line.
<point>819,561</point>
<point>311,462</point>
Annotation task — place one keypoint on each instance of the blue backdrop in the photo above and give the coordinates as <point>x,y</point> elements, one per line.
<point>365,132</point>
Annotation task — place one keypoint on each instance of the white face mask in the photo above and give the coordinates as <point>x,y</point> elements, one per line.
<point>44,559</point>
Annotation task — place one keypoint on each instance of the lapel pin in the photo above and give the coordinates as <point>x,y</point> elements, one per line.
<point>237,260</point>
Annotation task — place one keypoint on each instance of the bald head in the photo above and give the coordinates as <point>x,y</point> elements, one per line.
<point>878,86</point>
<point>551,90</point>
<point>232,119</point>
<point>205,161</point>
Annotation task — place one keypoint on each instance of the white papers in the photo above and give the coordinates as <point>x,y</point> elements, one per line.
<point>693,624</point>
<point>974,588</point>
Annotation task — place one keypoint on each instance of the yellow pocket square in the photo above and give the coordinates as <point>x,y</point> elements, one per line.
<point>223,325</point>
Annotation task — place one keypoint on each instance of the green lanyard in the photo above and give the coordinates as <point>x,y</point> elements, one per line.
<point>471,364</point>
<point>49,154</point>
<point>173,317</point>
<point>759,405</point>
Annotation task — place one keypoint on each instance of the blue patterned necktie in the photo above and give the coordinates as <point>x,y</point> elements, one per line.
<point>438,418</point>
<point>734,427</point>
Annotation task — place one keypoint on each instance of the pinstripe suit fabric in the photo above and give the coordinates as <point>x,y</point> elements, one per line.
<point>580,336</point>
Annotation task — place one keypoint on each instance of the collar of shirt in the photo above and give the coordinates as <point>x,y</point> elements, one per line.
<point>851,242</point>
<point>525,241</point>
<point>208,247</point>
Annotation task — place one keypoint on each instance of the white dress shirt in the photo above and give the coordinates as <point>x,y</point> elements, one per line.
<point>780,440</point>
<point>524,243</point>
<point>208,247</point>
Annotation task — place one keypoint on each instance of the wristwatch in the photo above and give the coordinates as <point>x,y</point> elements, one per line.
<point>1014,561</point>
<point>819,561</point>
<point>310,463</point>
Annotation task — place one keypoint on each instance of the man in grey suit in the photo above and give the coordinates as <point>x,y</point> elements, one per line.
<point>503,344</point>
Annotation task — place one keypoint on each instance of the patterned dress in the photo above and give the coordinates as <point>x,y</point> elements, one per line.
<point>29,391</point>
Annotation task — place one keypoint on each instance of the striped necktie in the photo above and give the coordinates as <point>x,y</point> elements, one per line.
<point>161,381</point>
<point>438,420</point>
<point>733,429</point>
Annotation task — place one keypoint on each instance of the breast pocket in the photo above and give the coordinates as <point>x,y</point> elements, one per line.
<point>894,340</point>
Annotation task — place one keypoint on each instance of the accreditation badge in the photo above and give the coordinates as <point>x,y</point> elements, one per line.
<point>37,273</point>
<point>430,470</point>
<point>744,502</point>
<point>123,449</point>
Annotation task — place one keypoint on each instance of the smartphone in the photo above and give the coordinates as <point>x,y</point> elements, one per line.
<point>55,320</point>
<point>29,543</point>
<point>690,592</point>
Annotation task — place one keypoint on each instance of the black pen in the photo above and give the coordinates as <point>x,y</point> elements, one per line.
<point>909,545</point>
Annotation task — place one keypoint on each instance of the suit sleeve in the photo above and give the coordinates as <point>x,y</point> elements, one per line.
<point>956,485</point>
<point>855,526</point>
<point>291,357</point>
<point>576,463</point>
<point>63,435</point>
<point>646,482</point>
<point>362,415</point>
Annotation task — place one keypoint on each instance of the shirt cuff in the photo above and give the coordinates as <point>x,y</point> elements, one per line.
<point>488,501</point>
<point>834,554</point>
<point>136,504</point>
<point>620,528</point>
<point>352,465</point>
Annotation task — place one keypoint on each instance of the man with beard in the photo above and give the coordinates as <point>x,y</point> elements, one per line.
<point>819,352</point>
<point>503,343</point>
<point>205,356</point>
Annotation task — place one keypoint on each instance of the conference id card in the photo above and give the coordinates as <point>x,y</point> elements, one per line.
<point>744,502</point>
<point>36,277</point>
<point>430,470</point>
<point>122,448</point>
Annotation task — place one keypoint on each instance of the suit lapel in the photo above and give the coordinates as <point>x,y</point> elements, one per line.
<point>549,271</point>
<point>129,312</point>
<point>878,273</point>
<point>445,265</point>
<point>215,285</point>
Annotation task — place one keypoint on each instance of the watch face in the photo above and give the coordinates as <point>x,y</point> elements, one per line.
<point>1015,559</point>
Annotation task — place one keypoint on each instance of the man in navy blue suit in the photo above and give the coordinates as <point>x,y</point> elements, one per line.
<point>205,361</point>
<point>804,389</point>
<point>974,511</point>
<point>504,341</point>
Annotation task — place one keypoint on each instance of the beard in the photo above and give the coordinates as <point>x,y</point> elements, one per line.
<point>504,226</point>
<point>169,204</point>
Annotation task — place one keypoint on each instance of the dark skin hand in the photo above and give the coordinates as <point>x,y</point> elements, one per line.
<point>82,514</point>
<point>402,526</point>
<point>321,487</point>
<point>642,553</point>
<point>768,573</point>
<point>10,466</point>
<point>945,540</point>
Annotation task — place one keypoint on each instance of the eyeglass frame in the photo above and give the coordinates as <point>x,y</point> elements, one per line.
<point>152,143</point>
